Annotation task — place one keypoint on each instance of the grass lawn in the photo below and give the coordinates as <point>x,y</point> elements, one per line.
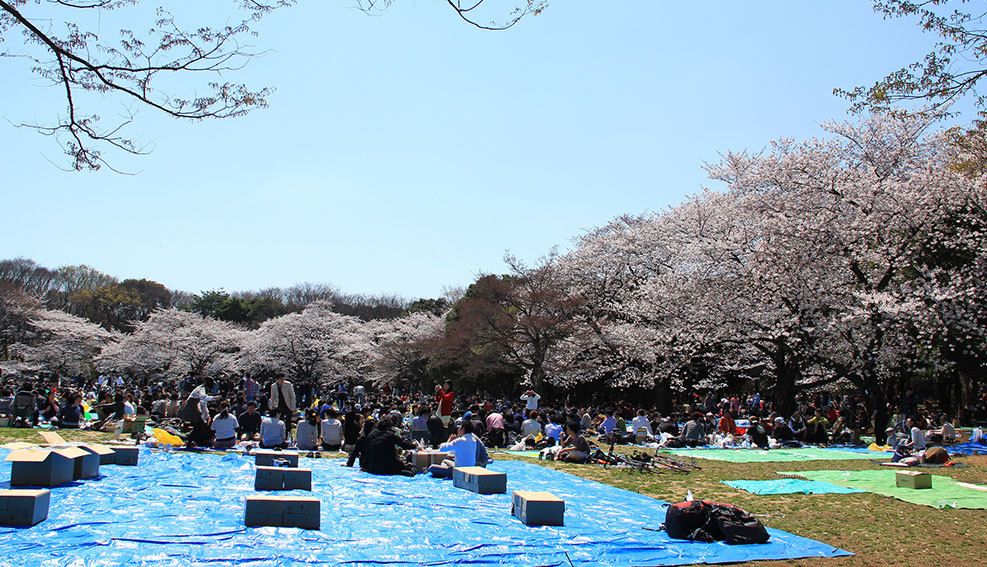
<point>878,529</point>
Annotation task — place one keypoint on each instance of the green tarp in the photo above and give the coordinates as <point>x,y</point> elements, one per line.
<point>776,455</point>
<point>945,492</point>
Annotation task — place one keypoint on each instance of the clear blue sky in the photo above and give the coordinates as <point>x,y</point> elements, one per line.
<point>407,152</point>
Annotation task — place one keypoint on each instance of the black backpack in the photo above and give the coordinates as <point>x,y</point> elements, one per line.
<point>684,519</point>
<point>713,521</point>
<point>735,526</point>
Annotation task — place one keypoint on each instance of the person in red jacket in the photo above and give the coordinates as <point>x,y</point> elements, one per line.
<point>444,397</point>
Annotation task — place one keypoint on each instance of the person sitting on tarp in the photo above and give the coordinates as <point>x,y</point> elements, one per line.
<point>250,421</point>
<point>916,440</point>
<point>783,434</point>
<point>70,416</point>
<point>466,451</point>
<point>815,428</point>
<point>727,426</point>
<point>307,433</point>
<point>273,433</point>
<point>224,426</point>
<point>757,433</point>
<point>946,432</point>
<point>694,432</point>
<point>575,448</point>
<point>378,451</point>
<point>797,425</point>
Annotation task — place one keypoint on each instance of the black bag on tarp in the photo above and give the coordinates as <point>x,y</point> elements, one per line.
<point>683,518</point>
<point>713,521</point>
<point>735,526</point>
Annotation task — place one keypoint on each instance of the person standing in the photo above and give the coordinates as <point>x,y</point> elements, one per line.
<point>444,396</point>
<point>282,401</point>
<point>530,399</point>
<point>250,388</point>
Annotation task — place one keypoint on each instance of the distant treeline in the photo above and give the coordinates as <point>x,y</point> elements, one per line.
<point>117,304</point>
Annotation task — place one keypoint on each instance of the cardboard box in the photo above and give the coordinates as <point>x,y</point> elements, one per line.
<point>283,512</point>
<point>23,507</point>
<point>266,458</point>
<point>425,459</point>
<point>126,455</point>
<point>85,463</point>
<point>40,467</point>
<point>17,446</point>
<point>107,456</point>
<point>538,508</point>
<point>281,478</point>
<point>912,479</point>
<point>479,480</point>
<point>52,438</point>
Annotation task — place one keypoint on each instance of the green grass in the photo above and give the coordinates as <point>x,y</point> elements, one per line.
<point>879,530</point>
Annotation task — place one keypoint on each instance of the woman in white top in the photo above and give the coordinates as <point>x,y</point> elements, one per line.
<point>201,393</point>
<point>332,432</point>
<point>224,425</point>
<point>307,435</point>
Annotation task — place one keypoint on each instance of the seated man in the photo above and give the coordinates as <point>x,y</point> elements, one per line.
<point>641,425</point>
<point>575,448</point>
<point>693,433</point>
<point>464,451</point>
<point>379,453</point>
<point>250,422</point>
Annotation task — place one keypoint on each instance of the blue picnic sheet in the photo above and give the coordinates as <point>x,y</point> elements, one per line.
<point>188,509</point>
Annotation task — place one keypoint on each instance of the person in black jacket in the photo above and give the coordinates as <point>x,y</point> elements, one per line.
<point>377,451</point>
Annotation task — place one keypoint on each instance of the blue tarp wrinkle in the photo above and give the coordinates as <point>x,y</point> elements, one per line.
<point>188,509</point>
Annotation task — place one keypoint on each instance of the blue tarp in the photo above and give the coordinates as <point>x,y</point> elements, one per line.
<point>187,509</point>
<point>789,486</point>
<point>966,449</point>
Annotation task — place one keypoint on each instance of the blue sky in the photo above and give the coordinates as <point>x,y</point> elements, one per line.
<point>408,152</point>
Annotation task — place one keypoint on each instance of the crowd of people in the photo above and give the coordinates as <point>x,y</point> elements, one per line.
<point>373,426</point>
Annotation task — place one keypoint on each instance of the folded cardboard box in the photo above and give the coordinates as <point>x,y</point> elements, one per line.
<point>23,507</point>
<point>538,508</point>
<point>479,480</point>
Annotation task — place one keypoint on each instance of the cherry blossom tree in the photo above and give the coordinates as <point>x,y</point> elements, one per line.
<point>62,343</point>
<point>400,347</point>
<point>315,345</point>
<point>173,344</point>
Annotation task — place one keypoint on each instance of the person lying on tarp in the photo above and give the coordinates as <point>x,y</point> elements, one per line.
<point>467,451</point>
<point>378,450</point>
